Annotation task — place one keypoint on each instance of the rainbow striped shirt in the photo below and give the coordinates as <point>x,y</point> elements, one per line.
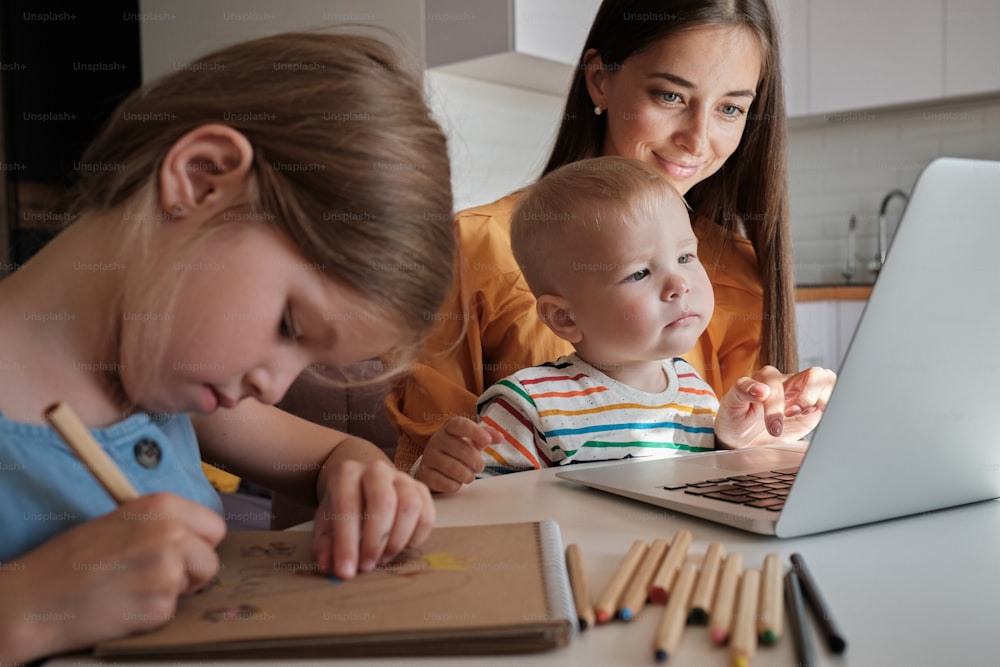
<point>567,410</point>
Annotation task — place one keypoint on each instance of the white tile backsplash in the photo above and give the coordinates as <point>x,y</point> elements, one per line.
<point>844,164</point>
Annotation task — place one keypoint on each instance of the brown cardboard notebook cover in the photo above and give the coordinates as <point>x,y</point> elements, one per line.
<point>499,588</point>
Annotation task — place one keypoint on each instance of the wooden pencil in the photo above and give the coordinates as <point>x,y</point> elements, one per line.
<point>720,621</point>
<point>578,582</point>
<point>704,590</point>
<point>635,596</point>
<point>607,604</point>
<point>671,628</point>
<point>660,589</point>
<point>743,642</point>
<point>770,620</point>
<point>64,420</point>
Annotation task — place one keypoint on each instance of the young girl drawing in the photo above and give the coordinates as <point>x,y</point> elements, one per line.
<point>243,221</point>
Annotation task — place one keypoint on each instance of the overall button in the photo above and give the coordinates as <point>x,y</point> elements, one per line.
<point>147,453</point>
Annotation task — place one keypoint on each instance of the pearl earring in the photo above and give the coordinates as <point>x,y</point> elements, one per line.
<point>598,110</point>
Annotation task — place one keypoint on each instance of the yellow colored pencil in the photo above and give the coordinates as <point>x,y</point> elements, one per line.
<point>743,643</point>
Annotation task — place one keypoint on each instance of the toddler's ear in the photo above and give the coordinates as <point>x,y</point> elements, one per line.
<point>555,312</point>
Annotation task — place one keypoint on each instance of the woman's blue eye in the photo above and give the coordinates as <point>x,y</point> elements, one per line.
<point>637,276</point>
<point>732,110</point>
<point>670,98</point>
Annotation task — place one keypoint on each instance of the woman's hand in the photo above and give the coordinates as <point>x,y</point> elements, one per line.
<point>773,407</point>
<point>368,512</point>
<point>454,454</point>
<point>113,576</point>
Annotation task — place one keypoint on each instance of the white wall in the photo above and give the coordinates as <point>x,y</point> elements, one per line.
<point>845,164</point>
<point>174,32</point>
<point>499,137</point>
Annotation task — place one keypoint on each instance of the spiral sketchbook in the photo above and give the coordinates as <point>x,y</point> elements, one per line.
<point>483,589</point>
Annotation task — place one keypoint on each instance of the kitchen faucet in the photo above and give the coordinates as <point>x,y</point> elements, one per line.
<point>883,230</point>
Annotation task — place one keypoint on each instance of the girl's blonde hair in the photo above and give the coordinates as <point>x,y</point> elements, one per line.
<point>347,162</point>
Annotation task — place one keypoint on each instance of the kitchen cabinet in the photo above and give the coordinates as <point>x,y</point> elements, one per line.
<point>972,50</point>
<point>869,54</point>
<point>825,330</point>
<point>531,44</point>
<point>793,28</point>
<point>841,56</point>
<point>817,333</point>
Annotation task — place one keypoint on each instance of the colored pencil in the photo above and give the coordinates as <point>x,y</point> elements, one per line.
<point>607,604</point>
<point>704,590</point>
<point>770,620</point>
<point>743,643</point>
<point>664,579</point>
<point>578,582</point>
<point>64,420</point>
<point>797,621</point>
<point>635,596</point>
<point>817,604</point>
<point>668,633</point>
<point>720,622</point>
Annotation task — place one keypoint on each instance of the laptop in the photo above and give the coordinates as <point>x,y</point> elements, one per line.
<point>912,423</point>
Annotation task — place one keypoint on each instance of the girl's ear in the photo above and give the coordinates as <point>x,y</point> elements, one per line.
<point>555,312</point>
<point>205,172</point>
<point>595,77</point>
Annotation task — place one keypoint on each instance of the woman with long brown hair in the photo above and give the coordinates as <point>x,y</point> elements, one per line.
<point>693,88</point>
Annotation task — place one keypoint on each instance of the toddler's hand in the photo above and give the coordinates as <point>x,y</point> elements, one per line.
<point>453,455</point>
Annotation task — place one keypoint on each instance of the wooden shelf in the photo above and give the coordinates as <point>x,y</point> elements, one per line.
<point>833,293</point>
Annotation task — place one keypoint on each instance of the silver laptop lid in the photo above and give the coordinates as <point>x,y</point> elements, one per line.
<point>912,423</point>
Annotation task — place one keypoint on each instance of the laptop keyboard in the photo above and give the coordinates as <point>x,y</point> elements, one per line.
<point>765,490</point>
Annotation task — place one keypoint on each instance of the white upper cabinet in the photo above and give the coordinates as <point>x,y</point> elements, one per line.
<point>869,54</point>
<point>846,55</point>
<point>971,47</point>
<point>530,44</point>
<point>793,28</point>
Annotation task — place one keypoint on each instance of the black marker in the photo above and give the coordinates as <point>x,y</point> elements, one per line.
<point>797,620</point>
<point>834,639</point>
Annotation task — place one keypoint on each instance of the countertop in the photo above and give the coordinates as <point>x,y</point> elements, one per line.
<point>832,292</point>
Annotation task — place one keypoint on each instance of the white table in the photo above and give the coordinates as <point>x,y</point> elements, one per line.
<point>923,590</point>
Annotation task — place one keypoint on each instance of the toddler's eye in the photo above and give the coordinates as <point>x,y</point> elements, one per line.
<point>637,276</point>
<point>686,258</point>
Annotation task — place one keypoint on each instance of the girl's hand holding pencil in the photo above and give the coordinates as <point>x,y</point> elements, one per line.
<point>116,575</point>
